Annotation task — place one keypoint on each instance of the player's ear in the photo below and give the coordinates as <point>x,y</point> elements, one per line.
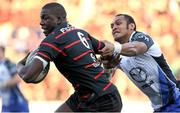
<point>131,26</point>
<point>59,21</point>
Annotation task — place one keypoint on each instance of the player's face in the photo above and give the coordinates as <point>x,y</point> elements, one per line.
<point>48,21</point>
<point>120,29</point>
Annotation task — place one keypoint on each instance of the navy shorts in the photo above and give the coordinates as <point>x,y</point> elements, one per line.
<point>110,102</point>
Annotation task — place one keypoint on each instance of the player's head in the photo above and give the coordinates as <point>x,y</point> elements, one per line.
<point>2,51</point>
<point>122,27</point>
<point>52,14</point>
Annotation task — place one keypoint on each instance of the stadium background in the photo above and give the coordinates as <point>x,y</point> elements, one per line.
<point>20,32</point>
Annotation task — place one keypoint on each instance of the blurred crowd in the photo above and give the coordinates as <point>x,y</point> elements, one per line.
<point>21,33</point>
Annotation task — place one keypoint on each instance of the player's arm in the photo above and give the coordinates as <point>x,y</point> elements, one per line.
<point>97,45</point>
<point>27,72</point>
<point>133,48</point>
<point>44,55</point>
<point>126,49</point>
<point>110,65</point>
<point>139,45</point>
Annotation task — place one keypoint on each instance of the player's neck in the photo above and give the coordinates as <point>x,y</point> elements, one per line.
<point>129,35</point>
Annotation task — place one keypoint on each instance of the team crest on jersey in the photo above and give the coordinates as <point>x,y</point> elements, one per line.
<point>138,74</point>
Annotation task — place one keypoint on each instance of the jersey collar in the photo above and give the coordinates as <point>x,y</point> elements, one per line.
<point>132,35</point>
<point>64,24</point>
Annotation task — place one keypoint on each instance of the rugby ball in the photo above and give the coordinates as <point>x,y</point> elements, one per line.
<point>44,72</point>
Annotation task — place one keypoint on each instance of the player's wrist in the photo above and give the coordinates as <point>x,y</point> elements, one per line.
<point>117,48</point>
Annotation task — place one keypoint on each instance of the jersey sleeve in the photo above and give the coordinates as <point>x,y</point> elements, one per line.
<point>49,48</point>
<point>141,37</point>
<point>97,45</point>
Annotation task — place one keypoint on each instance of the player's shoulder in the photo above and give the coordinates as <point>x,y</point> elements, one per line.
<point>141,35</point>
<point>9,63</point>
<point>62,33</point>
<point>49,38</point>
<point>11,66</point>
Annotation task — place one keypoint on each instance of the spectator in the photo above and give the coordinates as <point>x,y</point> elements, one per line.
<point>12,98</point>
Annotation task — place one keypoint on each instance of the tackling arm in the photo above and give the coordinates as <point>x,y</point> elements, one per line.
<point>133,48</point>
<point>126,49</point>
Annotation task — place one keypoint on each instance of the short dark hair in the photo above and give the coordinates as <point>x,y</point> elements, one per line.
<point>2,48</point>
<point>57,8</point>
<point>128,18</point>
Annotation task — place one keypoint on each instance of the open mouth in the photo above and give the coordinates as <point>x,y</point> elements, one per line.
<point>115,32</point>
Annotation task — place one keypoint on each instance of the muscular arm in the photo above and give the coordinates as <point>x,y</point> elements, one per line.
<point>133,48</point>
<point>27,72</point>
<point>139,44</point>
<point>128,49</point>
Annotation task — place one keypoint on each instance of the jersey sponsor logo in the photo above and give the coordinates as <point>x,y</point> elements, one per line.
<point>94,64</point>
<point>147,84</point>
<point>68,28</point>
<point>139,75</point>
<point>143,37</point>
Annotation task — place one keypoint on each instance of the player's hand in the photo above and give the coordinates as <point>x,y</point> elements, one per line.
<point>108,49</point>
<point>110,64</point>
<point>110,61</point>
<point>22,63</point>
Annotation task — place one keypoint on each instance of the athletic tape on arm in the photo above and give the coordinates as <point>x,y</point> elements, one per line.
<point>117,48</point>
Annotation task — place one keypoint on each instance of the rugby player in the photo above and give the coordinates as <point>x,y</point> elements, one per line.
<point>73,51</point>
<point>143,62</point>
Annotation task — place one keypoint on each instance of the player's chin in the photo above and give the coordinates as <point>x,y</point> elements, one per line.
<point>46,33</point>
<point>116,37</point>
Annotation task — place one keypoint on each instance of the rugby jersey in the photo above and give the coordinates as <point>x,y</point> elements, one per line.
<point>151,73</point>
<point>73,52</point>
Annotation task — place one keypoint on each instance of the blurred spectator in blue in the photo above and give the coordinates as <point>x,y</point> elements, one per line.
<point>12,98</point>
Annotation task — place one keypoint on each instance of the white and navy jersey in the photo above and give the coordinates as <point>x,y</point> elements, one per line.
<point>10,96</point>
<point>151,73</point>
